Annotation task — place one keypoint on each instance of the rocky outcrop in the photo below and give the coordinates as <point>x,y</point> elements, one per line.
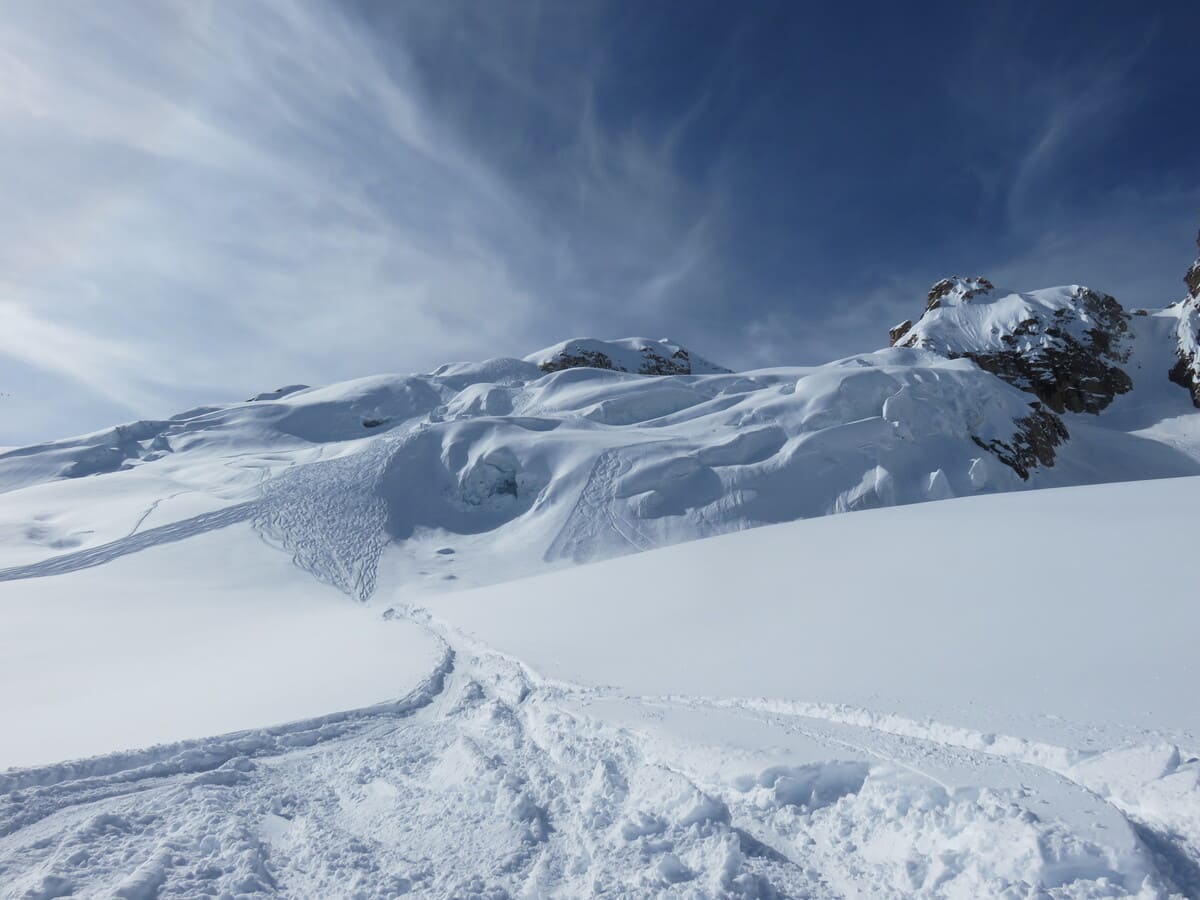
<point>639,356</point>
<point>1072,374</point>
<point>964,288</point>
<point>899,331</point>
<point>580,359</point>
<point>653,363</point>
<point>1064,345</point>
<point>1186,371</point>
<point>1033,444</point>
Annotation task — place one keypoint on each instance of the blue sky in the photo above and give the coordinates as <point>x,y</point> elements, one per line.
<point>207,200</point>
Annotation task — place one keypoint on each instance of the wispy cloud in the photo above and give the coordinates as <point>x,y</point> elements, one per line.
<point>204,199</point>
<point>250,193</point>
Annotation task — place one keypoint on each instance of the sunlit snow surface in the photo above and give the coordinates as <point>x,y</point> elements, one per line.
<point>213,634</point>
<point>992,696</point>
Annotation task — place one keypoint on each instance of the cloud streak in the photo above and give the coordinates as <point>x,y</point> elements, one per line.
<point>207,199</point>
<point>251,193</point>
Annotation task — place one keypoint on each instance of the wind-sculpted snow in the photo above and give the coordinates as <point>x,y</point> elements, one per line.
<point>489,781</point>
<point>592,464</point>
<point>583,463</point>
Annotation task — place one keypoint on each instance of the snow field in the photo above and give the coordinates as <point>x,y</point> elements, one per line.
<point>204,636</point>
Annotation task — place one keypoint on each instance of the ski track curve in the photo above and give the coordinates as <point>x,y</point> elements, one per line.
<point>488,781</point>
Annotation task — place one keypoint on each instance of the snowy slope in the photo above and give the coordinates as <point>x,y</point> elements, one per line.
<point>525,469</point>
<point>987,697</point>
<point>933,700</point>
<point>875,609</point>
<point>209,635</point>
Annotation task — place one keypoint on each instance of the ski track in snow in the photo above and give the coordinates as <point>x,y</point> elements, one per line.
<point>134,542</point>
<point>487,781</point>
<point>330,517</point>
<point>595,516</point>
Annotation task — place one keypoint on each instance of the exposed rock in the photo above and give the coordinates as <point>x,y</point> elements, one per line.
<point>965,288</point>
<point>1186,371</point>
<point>640,356</point>
<point>1033,444</point>
<point>1062,346</point>
<point>898,332</point>
<point>653,363</point>
<point>582,359</point>
<point>1181,373</point>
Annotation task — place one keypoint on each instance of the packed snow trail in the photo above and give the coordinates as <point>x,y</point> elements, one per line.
<point>488,781</point>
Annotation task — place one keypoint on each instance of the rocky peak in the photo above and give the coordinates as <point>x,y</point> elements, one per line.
<point>641,356</point>
<point>955,290</point>
<point>1064,345</point>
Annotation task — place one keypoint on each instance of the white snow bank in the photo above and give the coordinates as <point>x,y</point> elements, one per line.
<point>210,635</point>
<point>1061,615</point>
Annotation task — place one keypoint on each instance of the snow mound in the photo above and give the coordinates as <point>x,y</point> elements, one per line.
<point>518,469</point>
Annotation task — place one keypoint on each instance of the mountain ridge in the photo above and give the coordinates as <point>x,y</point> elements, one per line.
<point>588,449</point>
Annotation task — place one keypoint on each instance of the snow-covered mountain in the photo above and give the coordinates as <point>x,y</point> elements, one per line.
<point>568,456</point>
<point>962,699</point>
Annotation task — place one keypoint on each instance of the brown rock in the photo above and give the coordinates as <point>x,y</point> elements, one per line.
<point>898,332</point>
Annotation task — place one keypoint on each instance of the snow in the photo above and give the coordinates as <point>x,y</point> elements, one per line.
<point>978,323</point>
<point>211,635</point>
<point>965,688</point>
<point>918,700</point>
<point>1026,598</point>
<point>519,471</point>
<point>1188,334</point>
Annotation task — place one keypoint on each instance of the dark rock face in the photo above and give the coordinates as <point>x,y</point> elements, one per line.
<point>1033,444</point>
<point>584,359</point>
<point>898,332</point>
<point>653,362</point>
<point>1183,375</point>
